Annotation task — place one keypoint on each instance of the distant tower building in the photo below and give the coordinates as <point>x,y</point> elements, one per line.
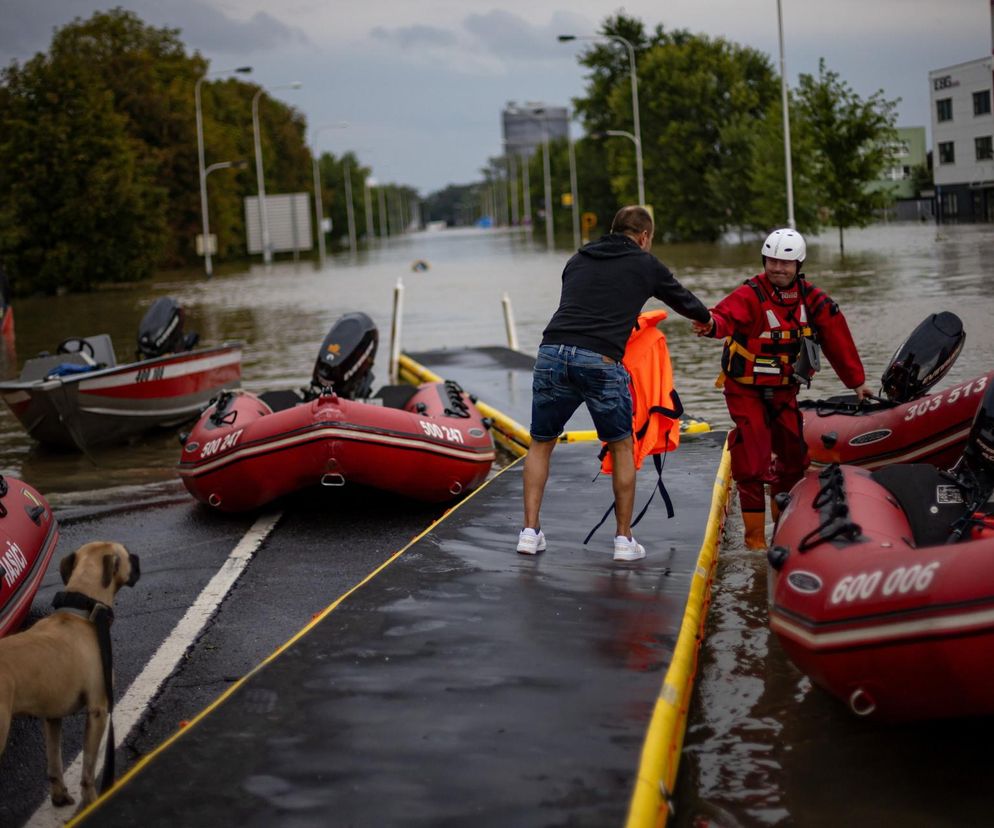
<point>963,138</point>
<point>525,126</point>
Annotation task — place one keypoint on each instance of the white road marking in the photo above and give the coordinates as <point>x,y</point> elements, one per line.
<point>129,709</point>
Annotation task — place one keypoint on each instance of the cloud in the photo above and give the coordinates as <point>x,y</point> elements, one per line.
<point>26,26</point>
<point>494,42</point>
<point>411,37</point>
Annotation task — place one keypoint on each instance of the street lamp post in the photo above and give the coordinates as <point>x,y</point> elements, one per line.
<point>267,248</point>
<point>635,100</point>
<point>786,124</point>
<point>208,265</point>
<point>368,205</point>
<point>574,196</point>
<point>318,212</point>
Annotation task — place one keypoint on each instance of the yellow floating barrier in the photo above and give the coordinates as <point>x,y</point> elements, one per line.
<point>651,802</point>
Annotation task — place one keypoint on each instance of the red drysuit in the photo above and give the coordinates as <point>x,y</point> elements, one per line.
<point>764,328</point>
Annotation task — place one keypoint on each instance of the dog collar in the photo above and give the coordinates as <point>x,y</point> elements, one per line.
<point>83,605</point>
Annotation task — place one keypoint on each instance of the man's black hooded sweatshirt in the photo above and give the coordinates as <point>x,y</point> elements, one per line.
<point>605,285</point>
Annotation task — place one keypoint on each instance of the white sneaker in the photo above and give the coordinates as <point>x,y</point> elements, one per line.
<point>628,549</point>
<point>531,542</point>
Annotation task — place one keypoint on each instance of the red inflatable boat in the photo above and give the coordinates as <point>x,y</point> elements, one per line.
<point>929,429</point>
<point>429,442</point>
<point>28,534</point>
<point>908,425</point>
<point>882,583</point>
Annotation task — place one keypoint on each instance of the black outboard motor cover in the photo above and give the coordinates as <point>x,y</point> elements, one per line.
<point>161,330</point>
<point>925,357</point>
<point>345,362</point>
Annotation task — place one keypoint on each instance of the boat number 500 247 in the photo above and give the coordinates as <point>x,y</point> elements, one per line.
<point>453,435</point>
<point>900,581</point>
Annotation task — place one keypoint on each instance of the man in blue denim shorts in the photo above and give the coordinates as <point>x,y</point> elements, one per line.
<point>605,285</point>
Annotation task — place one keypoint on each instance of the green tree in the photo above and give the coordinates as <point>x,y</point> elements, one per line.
<point>332,172</point>
<point>456,205</point>
<point>853,141</point>
<point>700,99</point>
<point>763,178</point>
<point>81,203</point>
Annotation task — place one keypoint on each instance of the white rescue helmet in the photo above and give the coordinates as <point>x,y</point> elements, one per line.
<point>785,244</point>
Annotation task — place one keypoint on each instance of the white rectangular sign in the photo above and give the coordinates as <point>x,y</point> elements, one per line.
<point>289,219</point>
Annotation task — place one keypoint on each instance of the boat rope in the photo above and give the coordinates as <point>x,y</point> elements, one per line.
<point>457,402</point>
<point>221,415</point>
<point>831,502</point>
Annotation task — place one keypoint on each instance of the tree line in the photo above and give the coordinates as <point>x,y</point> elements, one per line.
<point>98,175</point>
<point>98,180</point>
<point>712,140</point>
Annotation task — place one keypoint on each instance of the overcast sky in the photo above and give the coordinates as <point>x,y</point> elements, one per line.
<point>422,82</point>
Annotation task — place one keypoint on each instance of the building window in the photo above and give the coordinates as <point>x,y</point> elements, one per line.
<point>981,103</point>
<point>947,155</point>
<point>985,147</point>
<point>944,109</point>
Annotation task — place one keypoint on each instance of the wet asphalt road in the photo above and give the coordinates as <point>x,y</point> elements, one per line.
<point>325,542</point>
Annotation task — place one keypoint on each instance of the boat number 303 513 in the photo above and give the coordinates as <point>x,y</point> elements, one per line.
<point>899,581</point>
<point>453,435</point>
<point>950,396</point>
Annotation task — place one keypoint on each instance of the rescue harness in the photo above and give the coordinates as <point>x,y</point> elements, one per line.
<point>782,353</point>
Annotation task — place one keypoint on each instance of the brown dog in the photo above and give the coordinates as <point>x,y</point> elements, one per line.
<point>55,669</point>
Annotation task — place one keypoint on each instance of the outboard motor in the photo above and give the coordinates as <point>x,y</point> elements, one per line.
<point>974,471</point>
<point>161,330</point>
<point>978,454</point>
<point>925,357</point>
<point>345,362</point>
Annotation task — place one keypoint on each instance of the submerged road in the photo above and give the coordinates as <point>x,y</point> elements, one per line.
<point>310,549</point>
<point>461,682</point>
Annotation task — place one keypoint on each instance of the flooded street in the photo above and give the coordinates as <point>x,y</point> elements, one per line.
<point>890,279</point>
<point>762,747</point>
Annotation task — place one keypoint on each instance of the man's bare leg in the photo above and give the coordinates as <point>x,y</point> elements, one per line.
<point>536,475</point>
<point>623,483</point>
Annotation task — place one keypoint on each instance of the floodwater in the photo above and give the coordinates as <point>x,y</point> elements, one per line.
<point>762,747</point>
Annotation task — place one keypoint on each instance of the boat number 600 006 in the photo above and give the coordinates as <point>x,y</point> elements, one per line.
<point>900,581</point>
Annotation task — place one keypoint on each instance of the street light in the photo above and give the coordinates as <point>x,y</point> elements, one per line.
<point>267,252</point>
<point>225,165</point>
<point>208,267</point>
<point>786,124</point>
<point>574,196</point>
<point>635,100</point>
<point>317,194</point>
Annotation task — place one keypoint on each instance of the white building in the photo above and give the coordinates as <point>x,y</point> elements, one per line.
<point>963,140</point>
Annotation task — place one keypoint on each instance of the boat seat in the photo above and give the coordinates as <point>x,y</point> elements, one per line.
<point>395,396</point>
<point>103,349</point>
<point>930,500</point>
<point>281,400</point>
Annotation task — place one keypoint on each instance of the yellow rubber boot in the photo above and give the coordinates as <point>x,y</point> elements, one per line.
<point>755,529</point>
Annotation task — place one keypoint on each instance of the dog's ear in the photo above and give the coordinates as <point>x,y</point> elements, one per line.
<point>135,570</point>
<point>66,566</point>
<point>111,564</point>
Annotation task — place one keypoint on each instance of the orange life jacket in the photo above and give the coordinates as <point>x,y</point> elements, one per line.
<point>766,358</point>
<point>656,408</point>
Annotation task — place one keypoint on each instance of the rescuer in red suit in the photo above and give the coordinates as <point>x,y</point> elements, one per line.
<point>770,326</point>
